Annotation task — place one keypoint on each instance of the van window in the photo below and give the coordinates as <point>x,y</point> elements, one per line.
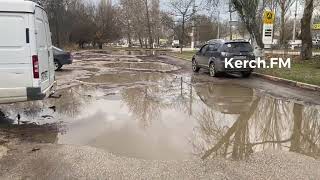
<point>13,32</point>
<point>41,33</point>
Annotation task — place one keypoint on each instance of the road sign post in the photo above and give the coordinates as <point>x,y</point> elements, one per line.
<point>316,26</point>
<point>268,21</point>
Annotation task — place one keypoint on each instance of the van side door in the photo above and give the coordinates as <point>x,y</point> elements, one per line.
<point>42,49</point>
<point>50,49</point>
<point>15,58</point>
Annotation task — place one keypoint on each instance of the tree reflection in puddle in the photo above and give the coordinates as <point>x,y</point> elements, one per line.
<point>167,117</point>
<point>269,123</point>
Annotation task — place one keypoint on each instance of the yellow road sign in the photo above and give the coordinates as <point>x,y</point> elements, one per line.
<point>316,26</point>
<point>268,17</point>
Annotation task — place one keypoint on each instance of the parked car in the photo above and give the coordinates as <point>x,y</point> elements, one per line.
<point>316,43</point>
<point>212,56</point>
<point>175,44</point>
<point>26,58</point>
<point>61,58</point>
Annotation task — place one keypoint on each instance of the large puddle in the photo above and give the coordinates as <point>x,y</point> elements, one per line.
<point>143,66</point>
<point>169,119</point>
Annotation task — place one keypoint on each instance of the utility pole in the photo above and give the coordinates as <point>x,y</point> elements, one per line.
<point>193,26</point>
<point>295,23</point>
<point>230,22</point>
<point>218,34</point>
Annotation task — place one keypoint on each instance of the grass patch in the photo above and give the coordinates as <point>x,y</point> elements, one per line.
<point>301,71</point>
<point>186,55</point>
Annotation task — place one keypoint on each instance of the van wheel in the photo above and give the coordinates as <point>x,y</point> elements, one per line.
<point>57,66</point>
<point>246,74</point>
<point>195,67</point>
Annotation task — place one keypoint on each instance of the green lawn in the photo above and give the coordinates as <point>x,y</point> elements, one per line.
<point>186,55</point>
<point>301,71</point>
<point>138,49</point>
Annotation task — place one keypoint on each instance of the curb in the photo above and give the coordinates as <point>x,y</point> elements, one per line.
<point>288,82</point>
<point>276,79</point>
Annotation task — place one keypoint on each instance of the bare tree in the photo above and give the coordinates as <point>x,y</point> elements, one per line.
<point>284,7</point>
<point>106,25</point>
<point>148,23</point>
<point>183,10</point>
<point>306,35</point>
<point>248,11</point>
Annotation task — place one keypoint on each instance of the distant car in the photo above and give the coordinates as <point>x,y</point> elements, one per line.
<point>316,43</point>
<point>175,44</point>
<point>212,56</point>
<point>61,58</point>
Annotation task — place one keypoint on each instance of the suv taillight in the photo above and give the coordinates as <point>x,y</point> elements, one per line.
<point>35,66</point>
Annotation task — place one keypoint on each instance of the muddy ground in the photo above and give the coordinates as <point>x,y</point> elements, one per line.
<point>138,115</point>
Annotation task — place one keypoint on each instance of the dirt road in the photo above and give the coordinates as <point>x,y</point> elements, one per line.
<point>128,115</point>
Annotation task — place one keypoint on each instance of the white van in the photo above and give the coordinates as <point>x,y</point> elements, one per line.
<point>26,58</point>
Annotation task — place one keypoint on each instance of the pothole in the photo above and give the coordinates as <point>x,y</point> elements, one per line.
<point>125,78</point>
<point>143,66</point>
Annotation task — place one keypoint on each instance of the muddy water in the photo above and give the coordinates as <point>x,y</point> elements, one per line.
<point>133,52</point>
<point>143,66</point>
<point>153,115</point>
<point>172,120</point>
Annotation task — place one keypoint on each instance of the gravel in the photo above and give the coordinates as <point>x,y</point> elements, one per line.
<point>78,162</point>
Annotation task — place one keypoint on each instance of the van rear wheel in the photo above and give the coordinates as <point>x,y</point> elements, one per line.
<point>57,66</point>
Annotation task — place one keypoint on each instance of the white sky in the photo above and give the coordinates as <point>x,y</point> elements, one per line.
<point>224,15</point>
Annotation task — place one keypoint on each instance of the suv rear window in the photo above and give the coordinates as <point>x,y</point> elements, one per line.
<point>237,47</point>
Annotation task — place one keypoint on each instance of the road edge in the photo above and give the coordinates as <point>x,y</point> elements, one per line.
<point>288,82</point>
<point>273,78</point>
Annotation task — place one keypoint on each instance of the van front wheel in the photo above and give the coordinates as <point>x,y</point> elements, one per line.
<point>57,66</point>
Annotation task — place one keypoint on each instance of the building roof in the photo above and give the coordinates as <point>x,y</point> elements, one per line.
<point>17,6</point>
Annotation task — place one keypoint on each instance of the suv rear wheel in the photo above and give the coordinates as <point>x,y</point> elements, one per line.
<point>246,74</point>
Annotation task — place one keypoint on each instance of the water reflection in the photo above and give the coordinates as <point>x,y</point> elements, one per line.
<point>168,117</point>
<point>268,124</point>
<point>142,66</point>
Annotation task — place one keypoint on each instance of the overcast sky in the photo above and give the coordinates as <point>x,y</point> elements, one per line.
<point>224,15</point>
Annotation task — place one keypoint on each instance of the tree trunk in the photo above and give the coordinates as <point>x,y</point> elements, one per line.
<point>57,31</point>
<point>100,45</point>
<point>129,40</point>
<point>282,31</point>
<point>140,41</point>
<point>182,35</point>
<point>306,36</point>
<point>149,25</point>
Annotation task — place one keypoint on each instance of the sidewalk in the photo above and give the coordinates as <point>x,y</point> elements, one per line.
<point>289,52</point>
<point>289,82</point>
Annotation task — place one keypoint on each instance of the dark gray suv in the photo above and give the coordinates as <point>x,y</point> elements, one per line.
<point>216,53</point>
